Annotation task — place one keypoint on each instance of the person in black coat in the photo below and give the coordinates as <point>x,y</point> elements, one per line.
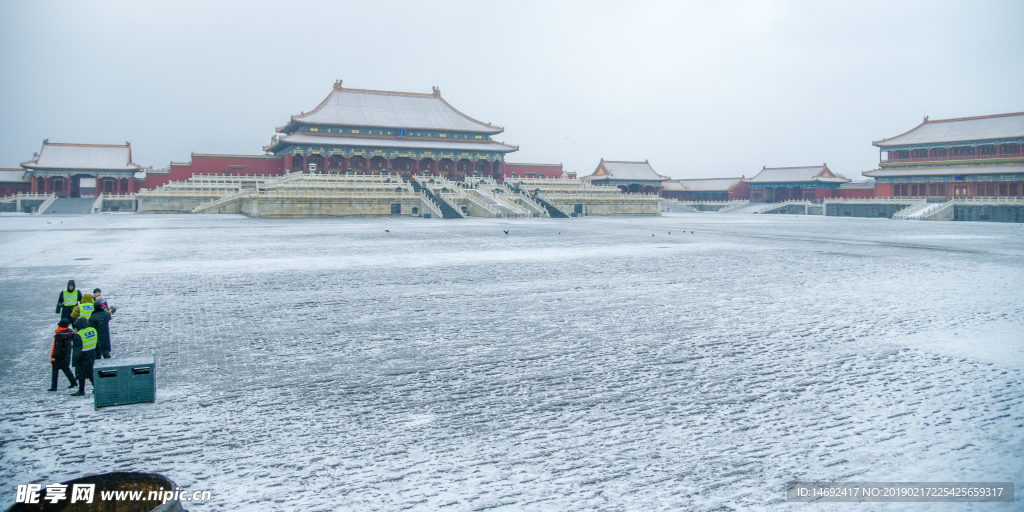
<point>83,359</point>
<point>100,320</point>
<point>70,296</point>
<point>60,354</point>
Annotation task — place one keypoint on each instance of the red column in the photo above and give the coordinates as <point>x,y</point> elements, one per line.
<point>305,164</point>
<point>131,184</point>
<point>387,164</point>
<point>366,165</point>
<point>118,186</point>
<point>416,166</point>
<point>35,184</point>
<point>327,164</point>
<point>344,164</point>
<point>287,163</point>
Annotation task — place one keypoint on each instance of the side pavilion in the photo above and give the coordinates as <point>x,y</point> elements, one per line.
<point>778,184</point>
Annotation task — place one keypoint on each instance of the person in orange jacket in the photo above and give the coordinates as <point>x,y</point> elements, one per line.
<point>60,354</point>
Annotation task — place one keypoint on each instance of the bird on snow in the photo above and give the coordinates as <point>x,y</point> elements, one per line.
<point>387,230</point>
<point>506,231</point>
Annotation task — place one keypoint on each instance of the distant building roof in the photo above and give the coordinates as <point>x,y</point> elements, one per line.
<point>510,164</point>
<point>819,173</point>
<point>628,171</point>
<point>946,171</point>
<point>858,185</point>
<point>358,107</point>
<point>83,156</point>
<point>707,185</point>
<point>341,140</point>
<point>1002,126</point>
<point>14,176</point>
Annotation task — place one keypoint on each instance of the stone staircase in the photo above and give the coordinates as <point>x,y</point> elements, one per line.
<point>448,211</point>
<point>918,211</point>
<point>553,210</point>
<point>70,206</point>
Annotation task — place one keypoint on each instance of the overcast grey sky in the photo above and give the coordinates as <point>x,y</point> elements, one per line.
<point>708,89</point>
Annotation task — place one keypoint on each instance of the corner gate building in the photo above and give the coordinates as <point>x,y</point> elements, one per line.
<point>366,131</point>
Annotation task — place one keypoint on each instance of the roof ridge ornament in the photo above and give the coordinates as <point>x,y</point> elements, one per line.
<point>926,119</point>
<point>337,85</point>
<point>436,92</point>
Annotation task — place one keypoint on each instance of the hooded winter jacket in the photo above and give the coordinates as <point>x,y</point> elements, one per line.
<point>76,294</point>
<point>79,356</point>
<point>101,322</point>
<point>77,312</point>
<point>61,351</point>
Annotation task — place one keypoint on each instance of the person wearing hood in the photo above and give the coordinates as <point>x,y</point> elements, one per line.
<point>84,309</point>
<point>100,321</point>
<point>60,354</point>
<point>84,353</point>
<point>68,299</point>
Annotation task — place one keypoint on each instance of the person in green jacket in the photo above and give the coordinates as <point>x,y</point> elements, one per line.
<point>68,299</point>
<point>84,353</point>
<point>84,309</point>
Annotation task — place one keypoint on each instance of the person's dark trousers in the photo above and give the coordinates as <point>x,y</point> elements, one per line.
<point>103,349</point>
<point>84,371</point>
<point>67,372</point>
<point>65,311</point>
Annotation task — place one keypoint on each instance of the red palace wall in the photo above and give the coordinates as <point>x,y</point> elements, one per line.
<point>856,194</point>
<point>522,170</point>
<point>232,165</point>
<point>740,192</point>
<point>9,189</point>
<point>883,190</point>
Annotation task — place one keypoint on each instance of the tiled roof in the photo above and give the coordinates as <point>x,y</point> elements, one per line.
<point>946,171</point>
<point>857,185</point>
<point>9,175</point>
<point>636,171</point>
<point>796,174</point>
<point>83,156</point>
<point>358,107</point>
<point>708,185</point>
<point>401,143</point>
<point>964,129</point>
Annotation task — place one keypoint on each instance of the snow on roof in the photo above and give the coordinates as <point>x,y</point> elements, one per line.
<point>358,107</point>
<point>857,185</point>
<point>711,184</point>
<point>9,175</point>
<point>963,129</point>
<point>616,170</point>
<point>83,156</point>
<point>451,145</point>
<point>946,171</point>
<point>796,174</point>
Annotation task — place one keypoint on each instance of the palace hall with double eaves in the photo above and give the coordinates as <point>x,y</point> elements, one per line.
<point>366,131</point>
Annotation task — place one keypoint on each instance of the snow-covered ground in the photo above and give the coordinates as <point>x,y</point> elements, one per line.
<point>687,362</point>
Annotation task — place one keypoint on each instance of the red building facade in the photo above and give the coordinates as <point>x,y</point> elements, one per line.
<point>364,131</point>
<point>533,170</point>
<point>714,189</point>
<point>954,159</point>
